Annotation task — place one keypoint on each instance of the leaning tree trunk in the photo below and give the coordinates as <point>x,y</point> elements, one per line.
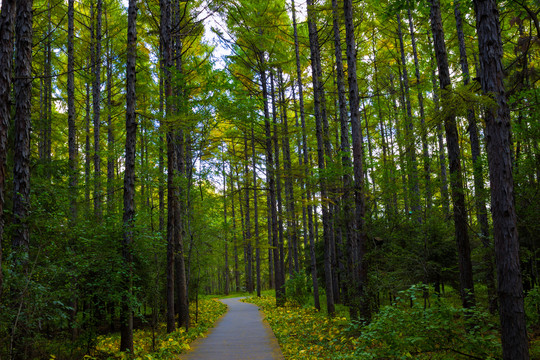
<point>126,323</point>
<point>497,118</point>
<point>452,143</point>
<point>7,19</point>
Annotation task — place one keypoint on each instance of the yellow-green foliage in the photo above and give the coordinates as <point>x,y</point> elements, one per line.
<point>303,333</point>
<point>167,346</point>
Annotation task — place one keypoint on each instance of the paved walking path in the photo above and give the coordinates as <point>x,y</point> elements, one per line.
<point>240,335</point>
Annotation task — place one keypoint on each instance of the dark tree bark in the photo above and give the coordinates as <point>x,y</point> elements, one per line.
<point>456,177</point>
<point>172,197</point>
<point>306,168</point>
<point>320,115</point>
<point>126,323</point>
<point>7,20</point>
<point>357,247</point>
<point>21,163</point>
<point>96,100</point>
<point>497,118</point>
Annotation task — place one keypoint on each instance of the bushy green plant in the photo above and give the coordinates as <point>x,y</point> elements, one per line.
<point>297,288</point>
<point>402,331</point>
<point>532,307</point>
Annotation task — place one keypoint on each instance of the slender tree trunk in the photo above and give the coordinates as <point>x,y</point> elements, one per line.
<point>236,271</point>
<point>277,172</point>
<point>87,160</point>
<point>320,114</point>
<point>256,215</point>
<point>306,168</point>
<point>126,323</point>
<point>110,129</point>
<point>425,150</point>
<point>412,172</point>
<point>497,118</point>
<point>287,167</point>
<point>456,177</point>
<point>478,171</point>
<point>7,20</point>
<point>172,196</point>
<point>73,158</point>
<point>346,163</point>
<point>270,178</point>
<point>357,247</point>
<point>96,99</point>
<point>224,174</point>
<point>249,255</point>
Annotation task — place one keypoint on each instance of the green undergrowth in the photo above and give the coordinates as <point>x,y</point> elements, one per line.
<point>398,331</point>
<point>162,345</point>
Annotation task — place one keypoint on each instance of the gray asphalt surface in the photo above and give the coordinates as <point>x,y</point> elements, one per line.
<point>240,334</point>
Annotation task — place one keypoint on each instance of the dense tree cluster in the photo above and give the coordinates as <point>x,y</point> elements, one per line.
<point>362,147</point>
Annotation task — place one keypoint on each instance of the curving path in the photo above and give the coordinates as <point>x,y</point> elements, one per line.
<point>240,335</point>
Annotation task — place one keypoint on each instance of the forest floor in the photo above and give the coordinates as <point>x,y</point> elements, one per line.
<point>239,335</point>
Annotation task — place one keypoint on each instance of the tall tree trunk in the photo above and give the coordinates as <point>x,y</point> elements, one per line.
<point>248,245</point>
<point>270,178</point>
<point>497,118</point>
<point>412,172</point>
<point>256,215</point>
<point>277,172</point>
<point>445,196</point>
<point>456,177</point>
<point>306,162</point>
<point>357,247</point>
<point>320,115</point>
<point>110,129</point>
<point>478,171</point>
<point>126,323</point>
<point>347,213</point>
<point>172,196</point>
<point>7,19</point>
<point>425,150</point>
<point>21,164</point>
<point>96,100</point>
<point>287,167</point>
<point>224,174</point>
<point>72,145</point>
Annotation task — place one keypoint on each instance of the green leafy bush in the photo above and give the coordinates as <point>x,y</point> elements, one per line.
<point>297,288</point>
<point>532,307</point>
<point>402,331</point>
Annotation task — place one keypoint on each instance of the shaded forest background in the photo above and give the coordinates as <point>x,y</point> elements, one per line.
<point>123,200</point>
